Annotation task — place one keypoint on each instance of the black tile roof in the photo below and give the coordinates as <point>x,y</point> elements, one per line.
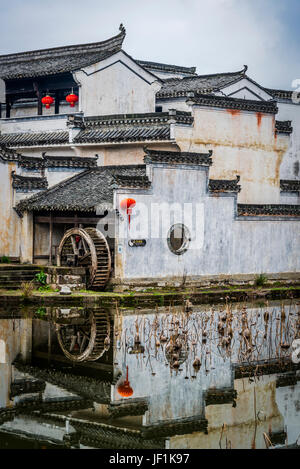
<point>223,185</point>
<point>129,127</point>
<point>275,210</point>
<point>224,102</point>
<point>287,185</point>
<point>7,154</point>
<point>283,95</point>
<point>48,161</point>
<point>125,134</point>
<point>284,127</point>
<point>158,118</point>
<point>153,66</point>
<point>34,138</point>
<point>59,59</point>
<point>177,157</point>
<point>202,84</point>
<point>28,183</point>
<point>87,190</point>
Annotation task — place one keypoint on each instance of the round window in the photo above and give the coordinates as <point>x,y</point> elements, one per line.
<point>178,239</point>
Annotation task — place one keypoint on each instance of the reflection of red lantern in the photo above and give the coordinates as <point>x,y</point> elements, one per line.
<point>72,99</point>
<point>47,100</point>
<point>127,205</point>
<point>124,389</point>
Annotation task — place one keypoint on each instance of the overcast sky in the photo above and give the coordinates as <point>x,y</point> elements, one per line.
<point>213,35</point>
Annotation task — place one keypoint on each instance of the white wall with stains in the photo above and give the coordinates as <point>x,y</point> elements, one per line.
<point>243,143</point>
<point>220,243</point>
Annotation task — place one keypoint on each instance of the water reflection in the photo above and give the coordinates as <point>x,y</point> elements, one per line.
<point>176,377</point>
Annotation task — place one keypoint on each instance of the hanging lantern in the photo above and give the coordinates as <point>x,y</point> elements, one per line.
<point>47,100</point>
<point>124,389</point>
<point>72,98</point>
<point>127,205</point>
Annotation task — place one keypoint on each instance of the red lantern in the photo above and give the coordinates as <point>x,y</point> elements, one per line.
<point>72,99</point>
<point>127,205</point>
<point>124,389</point>
<point>47,100</point>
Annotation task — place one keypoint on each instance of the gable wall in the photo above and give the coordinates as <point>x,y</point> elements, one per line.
<point>243,143</point>
<point>116,86</point>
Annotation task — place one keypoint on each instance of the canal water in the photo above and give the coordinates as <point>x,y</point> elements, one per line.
<point>177,377</point>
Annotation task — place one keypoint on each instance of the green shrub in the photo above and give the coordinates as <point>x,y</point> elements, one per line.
<point>44,288</point>
<point>260,280</point>
<point>41,311</point>
<point>5,260</point>
<point>41,277</point>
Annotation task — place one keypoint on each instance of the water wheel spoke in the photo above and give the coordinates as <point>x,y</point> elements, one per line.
<point>73,342</point>
<point>83,342</point>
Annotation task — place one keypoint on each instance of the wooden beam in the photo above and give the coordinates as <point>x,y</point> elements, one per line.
<point>56,103</point>
<point>73,220</point>
<point>33,236</point>
<point>50,238</point>
<point>8,106</point>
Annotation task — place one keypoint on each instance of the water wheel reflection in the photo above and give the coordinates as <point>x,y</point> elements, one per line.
<point>85,337</point>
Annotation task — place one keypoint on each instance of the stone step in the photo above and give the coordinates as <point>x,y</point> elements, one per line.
<point>18,272</point>
<point>22,267</point>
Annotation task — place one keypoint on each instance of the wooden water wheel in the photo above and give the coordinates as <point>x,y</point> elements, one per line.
<point>86,247</point>
<point>86,338</point>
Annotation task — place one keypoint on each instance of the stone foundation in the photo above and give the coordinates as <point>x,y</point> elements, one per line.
<point>194,282</point>
<point>72,277</point>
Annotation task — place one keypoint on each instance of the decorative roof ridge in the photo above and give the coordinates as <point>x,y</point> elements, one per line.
<point>224,185</point>
<point>283,94</point>
<point>149,117</point>
<point>166,156</point>
<point>226,102</point>
<point>175,427</point>
<point>116,41</point>
<point>283,127</point>
<point>132,181</point>
<point>268,210</point>
<point>70,157</point>
<point>168,67</point>
<point>28,182</point>
<point>210,75</point>
<point>7,154</point>
<point>290,185</point>
<point>39,138</point>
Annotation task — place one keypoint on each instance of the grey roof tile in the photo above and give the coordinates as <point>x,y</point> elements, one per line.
<point>174,87</point>
<point>224,185</point>
<point>86,190</point>
<point>156,66</point>
<point>177,157</point>
<point>290,185</point>
<point>59,59</point>
<point>34,138</point>
<point>224,102</point>
<point>28,183</point>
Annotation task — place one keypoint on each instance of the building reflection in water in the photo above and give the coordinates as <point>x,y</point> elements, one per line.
<point>176,377</point>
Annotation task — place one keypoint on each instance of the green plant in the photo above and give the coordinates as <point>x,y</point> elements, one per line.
<point>41,311</point>
<point>41,277</point>
<point>260,280</point>
<point>44,288</point>
<point>27,289</point>
<point>5,260</point>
